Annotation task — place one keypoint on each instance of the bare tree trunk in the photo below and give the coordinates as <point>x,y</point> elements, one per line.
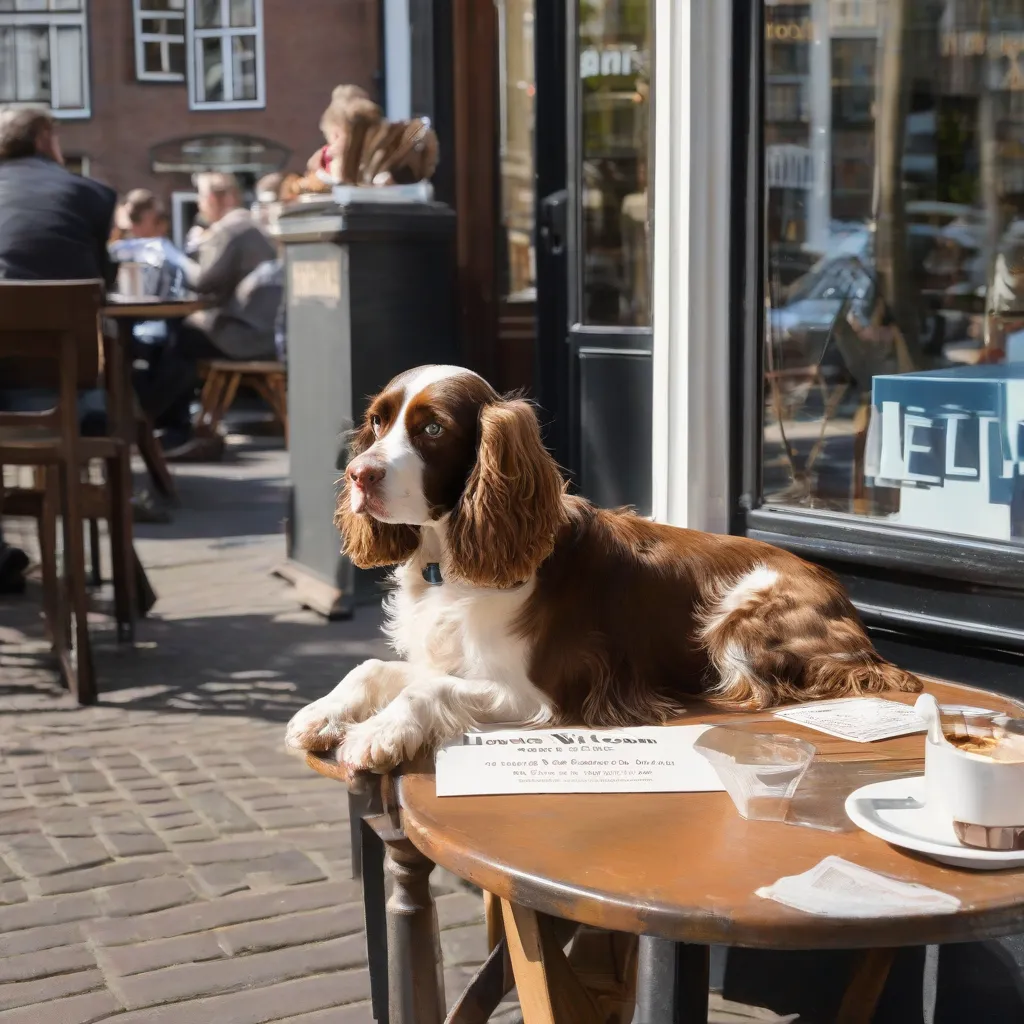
<point>892,256</point>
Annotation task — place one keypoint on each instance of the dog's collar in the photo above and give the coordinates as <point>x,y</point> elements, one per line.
<point>432,574</point>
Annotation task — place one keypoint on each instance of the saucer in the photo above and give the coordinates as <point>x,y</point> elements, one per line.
<point>895,810</point>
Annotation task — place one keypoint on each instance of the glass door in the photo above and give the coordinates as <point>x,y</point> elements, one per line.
<point>608,234</point>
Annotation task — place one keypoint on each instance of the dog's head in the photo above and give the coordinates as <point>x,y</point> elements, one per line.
<point>439,443</point>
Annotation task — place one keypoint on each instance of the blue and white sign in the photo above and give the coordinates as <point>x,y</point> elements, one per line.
<point>952,441</point>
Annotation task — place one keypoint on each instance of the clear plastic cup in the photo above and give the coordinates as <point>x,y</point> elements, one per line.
<point>760,771</point>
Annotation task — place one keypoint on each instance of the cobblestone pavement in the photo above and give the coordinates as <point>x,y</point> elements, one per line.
<point>162,860</point>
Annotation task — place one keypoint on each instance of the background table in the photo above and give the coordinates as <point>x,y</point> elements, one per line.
<point>685,867</point>
<point>127,312</point>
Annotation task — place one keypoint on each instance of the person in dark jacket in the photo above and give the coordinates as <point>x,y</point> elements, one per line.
<point>54,226</point>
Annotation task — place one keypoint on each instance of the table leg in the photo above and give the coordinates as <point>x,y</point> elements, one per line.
<point>672,982</point>
<point>865,986</point>
<point>415,974</point>
<point>374,917</point>
<point>359,805</point>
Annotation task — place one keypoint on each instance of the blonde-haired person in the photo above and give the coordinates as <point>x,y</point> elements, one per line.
<point>350,108</point>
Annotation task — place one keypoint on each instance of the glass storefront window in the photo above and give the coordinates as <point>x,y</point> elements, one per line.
<point>615,89</point>
<point>518,88</point>
<point>894,336</point>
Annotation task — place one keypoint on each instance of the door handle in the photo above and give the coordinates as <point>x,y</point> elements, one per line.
<point>553,222</point>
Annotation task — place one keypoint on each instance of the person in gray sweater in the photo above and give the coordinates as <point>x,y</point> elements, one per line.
<point>237,272</point>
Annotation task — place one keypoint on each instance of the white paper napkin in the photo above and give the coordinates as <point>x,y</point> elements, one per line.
<point>836,888</point>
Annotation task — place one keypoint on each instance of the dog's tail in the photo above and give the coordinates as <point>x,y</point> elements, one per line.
<point>773,639</point>
<point>853,675</point>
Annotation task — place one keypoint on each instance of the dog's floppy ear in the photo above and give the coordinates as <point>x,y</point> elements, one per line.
<point>366,541</point>
<point>505,523</point>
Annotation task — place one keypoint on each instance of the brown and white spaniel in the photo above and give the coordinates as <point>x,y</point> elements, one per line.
<point>517,603</point>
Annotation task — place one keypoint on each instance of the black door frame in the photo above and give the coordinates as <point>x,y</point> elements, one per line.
<point>551,168</point>
<point>564,342</point>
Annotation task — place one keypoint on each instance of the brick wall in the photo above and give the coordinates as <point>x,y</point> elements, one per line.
<point>306,55</point>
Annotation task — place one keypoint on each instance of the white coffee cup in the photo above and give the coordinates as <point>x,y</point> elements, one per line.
<point>983,796</point>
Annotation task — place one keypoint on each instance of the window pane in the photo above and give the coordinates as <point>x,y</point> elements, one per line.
<point>162,5</point>
<point>65,5</point>
<point>70,91</point>
<point>615,50</point>
<point>518,88</point>
<point>8,64</point>
<point>30,5</point>
<point>243,53</point>
<point>208,14</point>
<point>243,13</point>
<point>176,58</point>
<point>211,70</point>
<point>163,27</point>
<point>32,46</point>
<point>164,57</point>
<point>894,343</point>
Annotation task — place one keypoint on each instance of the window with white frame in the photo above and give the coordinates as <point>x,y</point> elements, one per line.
<point>225,54</point>
<point>159,40</point>
<point>44,55</point>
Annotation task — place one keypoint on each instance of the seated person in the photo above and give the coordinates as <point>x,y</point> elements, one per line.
<point>146,217</point>
<point>145,241</point>
<point>270,190</point>
<point>240,321</point>
<point>54,225</point>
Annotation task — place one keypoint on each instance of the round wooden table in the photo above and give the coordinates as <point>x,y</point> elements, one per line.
<point>684,867</point>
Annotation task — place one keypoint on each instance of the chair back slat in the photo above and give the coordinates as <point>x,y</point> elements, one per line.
<point>38,319</point>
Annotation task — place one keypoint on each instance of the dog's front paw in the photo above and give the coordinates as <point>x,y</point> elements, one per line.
<point>317,727</point>
<point>321,725</point>
<point>383,741</point>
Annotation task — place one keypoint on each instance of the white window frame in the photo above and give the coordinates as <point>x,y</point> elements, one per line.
<point>143,12</point>
<point>692,179</point>
<point>194,36</point>
<point>179,229</point>
<point>86,164</point>
<point>54,20</point>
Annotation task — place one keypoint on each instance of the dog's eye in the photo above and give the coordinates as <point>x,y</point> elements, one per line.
<point>375,423</point>
<point>432,429</point>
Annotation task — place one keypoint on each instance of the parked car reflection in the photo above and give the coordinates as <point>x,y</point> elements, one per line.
<point>946,267</point>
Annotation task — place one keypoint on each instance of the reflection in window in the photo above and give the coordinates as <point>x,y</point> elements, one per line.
<point>518,88</point>
<point>894,342</point>
<point>43,54</point>
<point>615,66</point>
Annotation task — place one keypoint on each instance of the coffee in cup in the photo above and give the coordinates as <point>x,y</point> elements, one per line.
<point>974,771</point>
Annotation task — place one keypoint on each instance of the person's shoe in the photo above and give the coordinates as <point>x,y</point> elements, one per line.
<point>199,449</point>
<point>146,509</point>
<point>173,438</point>
<point>13,563</point>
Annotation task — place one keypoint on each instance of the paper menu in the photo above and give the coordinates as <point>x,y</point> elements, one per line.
<point>860,719</point>
<point>837,888</point>
<point>648,759</point>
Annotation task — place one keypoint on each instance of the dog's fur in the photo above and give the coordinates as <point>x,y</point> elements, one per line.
<point>551,610</point>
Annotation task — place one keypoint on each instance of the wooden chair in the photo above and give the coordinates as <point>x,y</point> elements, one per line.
<point>49,338</point>
<point>222,379</point>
